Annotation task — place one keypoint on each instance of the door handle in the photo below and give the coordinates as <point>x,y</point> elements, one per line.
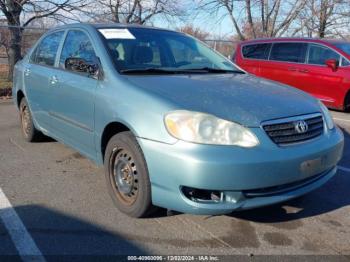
<point>27,72</point>
<point>303,70</point>
<point>53,80</point>
<point>292,69</point>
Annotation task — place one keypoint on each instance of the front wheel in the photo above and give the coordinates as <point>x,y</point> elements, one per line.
<point>127,175</point>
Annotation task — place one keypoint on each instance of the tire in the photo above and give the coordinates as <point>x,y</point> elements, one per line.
<point>347,103</point>
<point>127,176</point>
<point>29,132</point>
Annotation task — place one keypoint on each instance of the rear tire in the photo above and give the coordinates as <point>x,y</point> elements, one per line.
<point>29,132</point>
<point>347,102</point>
<point>127,176</point>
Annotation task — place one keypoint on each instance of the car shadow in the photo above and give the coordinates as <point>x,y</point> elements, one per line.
<point>45,139</point>
<point>339,110</point>
<point>60,236</point>
<point>346,155</point>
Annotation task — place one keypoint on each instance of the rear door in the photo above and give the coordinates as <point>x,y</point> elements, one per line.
<point>252,54</point>
<point>36,78</point>
<point>323,82</point>
<point>286,63</point>
<point>73,109</point>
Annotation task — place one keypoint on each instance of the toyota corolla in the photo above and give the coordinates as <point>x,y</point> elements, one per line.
<point>175,124</point>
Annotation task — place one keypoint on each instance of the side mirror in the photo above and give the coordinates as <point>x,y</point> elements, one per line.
<point>80,65</point>
<point>333,64</point>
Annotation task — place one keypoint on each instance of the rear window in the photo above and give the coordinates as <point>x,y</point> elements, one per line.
<point>289,52</point>
<point>258,51</point>
<point>45,52</point>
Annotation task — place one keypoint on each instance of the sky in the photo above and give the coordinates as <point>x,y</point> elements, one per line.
<point>200,19</point>
<point>218,25</point>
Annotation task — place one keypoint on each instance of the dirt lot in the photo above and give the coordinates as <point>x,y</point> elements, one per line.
<point>61,199</point>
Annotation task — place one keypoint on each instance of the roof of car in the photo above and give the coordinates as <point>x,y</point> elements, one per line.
<point>295,39</point>
<point>109,25</point>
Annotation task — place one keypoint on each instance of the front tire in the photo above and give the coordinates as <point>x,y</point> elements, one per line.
<point>29,132</point>
<point>127,175</point>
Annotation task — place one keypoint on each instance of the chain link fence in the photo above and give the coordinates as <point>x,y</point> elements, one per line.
<point>30,35</point>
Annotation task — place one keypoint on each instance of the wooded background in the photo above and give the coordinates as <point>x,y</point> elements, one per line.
<point>23,21</point>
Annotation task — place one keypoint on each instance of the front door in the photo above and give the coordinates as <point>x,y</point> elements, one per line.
<point>325,84</point>
<point>72,113</point>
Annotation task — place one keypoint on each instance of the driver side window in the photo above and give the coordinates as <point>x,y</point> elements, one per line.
<point>77,45</point>
<point>319,54</point>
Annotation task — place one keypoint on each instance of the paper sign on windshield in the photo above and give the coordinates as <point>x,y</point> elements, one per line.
<point>114,33</point>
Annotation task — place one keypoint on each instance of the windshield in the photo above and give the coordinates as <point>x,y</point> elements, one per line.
<point>345,47</point>
<point>158,51</point>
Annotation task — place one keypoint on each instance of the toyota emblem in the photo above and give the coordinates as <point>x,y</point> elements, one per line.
<point>301,126</point>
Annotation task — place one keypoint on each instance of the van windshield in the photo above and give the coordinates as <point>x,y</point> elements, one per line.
<point>144,50</point>
<point>345,47</point>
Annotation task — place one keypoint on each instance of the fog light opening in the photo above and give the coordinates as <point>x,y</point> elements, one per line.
<point>201,195</point>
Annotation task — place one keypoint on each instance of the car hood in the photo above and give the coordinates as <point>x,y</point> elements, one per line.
<point>241,98</point>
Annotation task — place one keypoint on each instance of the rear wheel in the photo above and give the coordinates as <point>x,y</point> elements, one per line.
<point>127,175</point>
<point>30,133</point>
<point>347,102</point>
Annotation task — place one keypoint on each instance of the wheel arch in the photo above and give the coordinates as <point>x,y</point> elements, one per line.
<point>19,96</point>
<point>110,130</point>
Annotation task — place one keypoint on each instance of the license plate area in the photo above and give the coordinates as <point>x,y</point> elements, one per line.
<point>314,166</point>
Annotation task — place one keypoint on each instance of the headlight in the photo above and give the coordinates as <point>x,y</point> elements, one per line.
<point>327,116</point>
<point>207,129</point>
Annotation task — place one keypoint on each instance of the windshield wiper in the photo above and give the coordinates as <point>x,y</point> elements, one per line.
<point>213,70</point>
<point>201,70</point>
<point>149,70</point>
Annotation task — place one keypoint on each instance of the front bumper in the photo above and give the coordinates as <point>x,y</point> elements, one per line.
<point>233,171</point>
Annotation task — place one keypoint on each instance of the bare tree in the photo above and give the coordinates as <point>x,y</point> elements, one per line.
<point>324,18</point>
<point>134,11</point>
<point>194,31</point>
<point>21,13</point>
<point>267,18</point>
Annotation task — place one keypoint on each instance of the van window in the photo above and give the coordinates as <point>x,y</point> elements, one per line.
<point>45,53</point>
<point>345,62</point>
<point>289,52</point>
<point>319,54</point>
<point>77,45</point>
<point>258,51</point>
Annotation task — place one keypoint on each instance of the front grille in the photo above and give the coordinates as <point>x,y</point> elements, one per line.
<point>284,133</point>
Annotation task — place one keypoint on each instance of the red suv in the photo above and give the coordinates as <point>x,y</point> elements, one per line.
<point>319,67</point>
